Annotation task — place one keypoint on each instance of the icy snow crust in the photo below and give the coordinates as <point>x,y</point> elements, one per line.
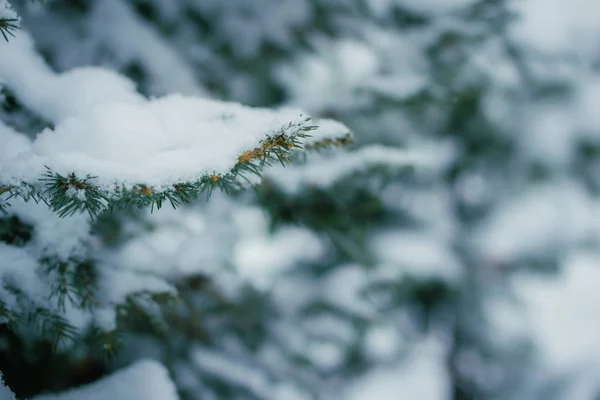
<point>104,128</point>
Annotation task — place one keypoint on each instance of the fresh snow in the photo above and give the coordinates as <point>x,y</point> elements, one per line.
<point>158,143</point>
<point>144,380</point>
<point>6,11</point>
<point>165,141</point>
<point>104,128</point>
<point>13,143</point>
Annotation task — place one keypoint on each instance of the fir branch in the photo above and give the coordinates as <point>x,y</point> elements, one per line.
<point>104,344</point>
<point>84,281</point>
<point>4,204</point>
<point>72,280</point>
<point>9,317</point>
<point>55,326</point>
<point>111,342</point>
<point>327,143</point>
<point>49,323</point>
<point>150,308</point>
<point>67,195</point>
<point>61,286</point>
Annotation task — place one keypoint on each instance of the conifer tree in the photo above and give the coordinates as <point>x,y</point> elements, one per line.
<point>160,240</point>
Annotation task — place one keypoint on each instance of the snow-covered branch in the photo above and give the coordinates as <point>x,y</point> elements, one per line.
<point>109,145</point>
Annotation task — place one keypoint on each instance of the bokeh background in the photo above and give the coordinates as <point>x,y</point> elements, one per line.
<point>474,274</point>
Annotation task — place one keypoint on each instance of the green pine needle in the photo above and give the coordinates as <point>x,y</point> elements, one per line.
<point>8,25</point>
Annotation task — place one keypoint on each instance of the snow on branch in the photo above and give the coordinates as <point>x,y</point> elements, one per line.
<point>52,280</point>
<point>109,145</point>
<point>106,146</point>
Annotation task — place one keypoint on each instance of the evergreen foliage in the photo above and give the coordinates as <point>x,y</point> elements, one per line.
<point>437,252</point>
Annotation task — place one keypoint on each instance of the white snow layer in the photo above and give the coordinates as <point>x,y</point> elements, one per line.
<point>144,380</point>
<point>13,143</point>
<point>6,11</point>
<point>104,128</point>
